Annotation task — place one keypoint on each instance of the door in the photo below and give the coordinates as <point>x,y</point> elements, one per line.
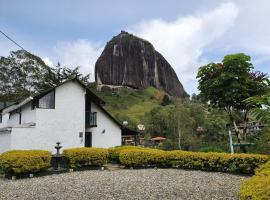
<point>88,139</point>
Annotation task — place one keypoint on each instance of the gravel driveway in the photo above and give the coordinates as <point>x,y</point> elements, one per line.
<point>125,184</point>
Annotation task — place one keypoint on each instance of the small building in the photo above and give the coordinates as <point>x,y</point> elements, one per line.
<point>69,113</point>
<point>158,140</point>
<point>130,137</point>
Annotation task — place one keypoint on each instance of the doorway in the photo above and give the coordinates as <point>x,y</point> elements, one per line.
<point>88,139</point>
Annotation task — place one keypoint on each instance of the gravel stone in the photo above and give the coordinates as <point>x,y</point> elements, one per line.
<point>125,184</point>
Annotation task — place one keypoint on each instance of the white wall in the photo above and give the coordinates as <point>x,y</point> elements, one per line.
<point>61,124</point>
<point>4,120</point>
<point>24,138</point>
<point>28,114</point>
<point>5,141</point>
<point>112,135</point>
<point>64,123</point>
<point>13,119</point>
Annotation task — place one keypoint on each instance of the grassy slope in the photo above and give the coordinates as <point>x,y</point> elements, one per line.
<point>132,103</point>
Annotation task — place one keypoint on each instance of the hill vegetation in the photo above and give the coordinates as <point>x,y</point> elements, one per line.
<point>133,104</point>
<point>190,124</point>
<point>170,117</point>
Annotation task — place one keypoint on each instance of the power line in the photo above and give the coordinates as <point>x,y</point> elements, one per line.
<point>12,40</point>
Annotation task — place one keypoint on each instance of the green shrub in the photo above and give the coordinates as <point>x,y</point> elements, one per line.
<point>223,162</point>
<point>258,186</point>
<point>115,151</point>
<point>143,157</point>
<point>240,163</point>
<point>84,156</point>
<point>25,161</point>
<point>211,149</point>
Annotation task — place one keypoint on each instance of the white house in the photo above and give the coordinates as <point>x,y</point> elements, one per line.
<point>69,113</point>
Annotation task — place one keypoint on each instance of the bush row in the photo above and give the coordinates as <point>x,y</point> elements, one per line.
<point>115,151</point>
<point>223,162</point>
<point>258,186</point>
<point>31,161</point>
<point>80,157</point>
<point>144,157</point>
<point>25,161</point>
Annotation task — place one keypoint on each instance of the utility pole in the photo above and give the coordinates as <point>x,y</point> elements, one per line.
<point>230,137</point>
<point>179,136</point>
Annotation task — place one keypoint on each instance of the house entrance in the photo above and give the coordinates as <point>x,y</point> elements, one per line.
<point>88,139</point>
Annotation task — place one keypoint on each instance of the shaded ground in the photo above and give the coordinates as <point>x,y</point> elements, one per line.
<point>125,184</point>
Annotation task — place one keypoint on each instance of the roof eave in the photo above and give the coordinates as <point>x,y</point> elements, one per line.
<point>16,106</point>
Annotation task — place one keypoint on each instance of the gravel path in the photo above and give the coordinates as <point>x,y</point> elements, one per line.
<point>125,184</point>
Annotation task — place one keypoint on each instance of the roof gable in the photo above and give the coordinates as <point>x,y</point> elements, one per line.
<point>94,97</point>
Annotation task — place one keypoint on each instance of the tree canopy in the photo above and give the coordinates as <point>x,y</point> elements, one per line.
<point>261,106</point>
<point>227,84</point>
<point>23,74</point>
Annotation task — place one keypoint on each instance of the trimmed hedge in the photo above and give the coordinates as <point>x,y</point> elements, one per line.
<point>222,162</point>
<point>240,163</point>
<point>85,156</point>
<point>25,161</point>
<point>144,157</point>
<point>115,151</point>
<point>30,161</point>
<point>258,186</point>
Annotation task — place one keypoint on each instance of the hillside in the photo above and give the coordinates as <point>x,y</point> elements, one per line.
<point>131,105</point>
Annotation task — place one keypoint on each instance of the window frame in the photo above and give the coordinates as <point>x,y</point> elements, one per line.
<point>37,101</point>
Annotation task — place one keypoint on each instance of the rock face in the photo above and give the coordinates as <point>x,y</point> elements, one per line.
<point>131,61</point>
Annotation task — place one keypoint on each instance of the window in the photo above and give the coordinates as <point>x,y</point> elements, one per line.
<point>91,119</point>
<point>47,101</point>
<point>20,116</point>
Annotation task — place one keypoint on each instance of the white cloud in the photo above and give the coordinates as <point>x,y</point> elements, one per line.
<point>183,41</point>
<point>47,61</point>
<point>249,34</point>
<point>78,53</point>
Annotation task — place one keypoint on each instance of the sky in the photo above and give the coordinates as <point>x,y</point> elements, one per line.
<point>188,33</point>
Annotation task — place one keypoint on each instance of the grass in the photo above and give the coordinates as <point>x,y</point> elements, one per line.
<point>132,103</point>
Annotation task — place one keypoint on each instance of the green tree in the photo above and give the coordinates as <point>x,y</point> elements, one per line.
<point>261,111</point>
<point>64,73</point>
<point>166,100</point>
<point>260,106</point>
<point>181,125</point>
<point>214,125</point>
<point>156,122</point>
<point>23,74</point>
<point>226,85</point>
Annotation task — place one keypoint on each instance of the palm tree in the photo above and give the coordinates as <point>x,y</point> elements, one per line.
<point>260,106</point>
